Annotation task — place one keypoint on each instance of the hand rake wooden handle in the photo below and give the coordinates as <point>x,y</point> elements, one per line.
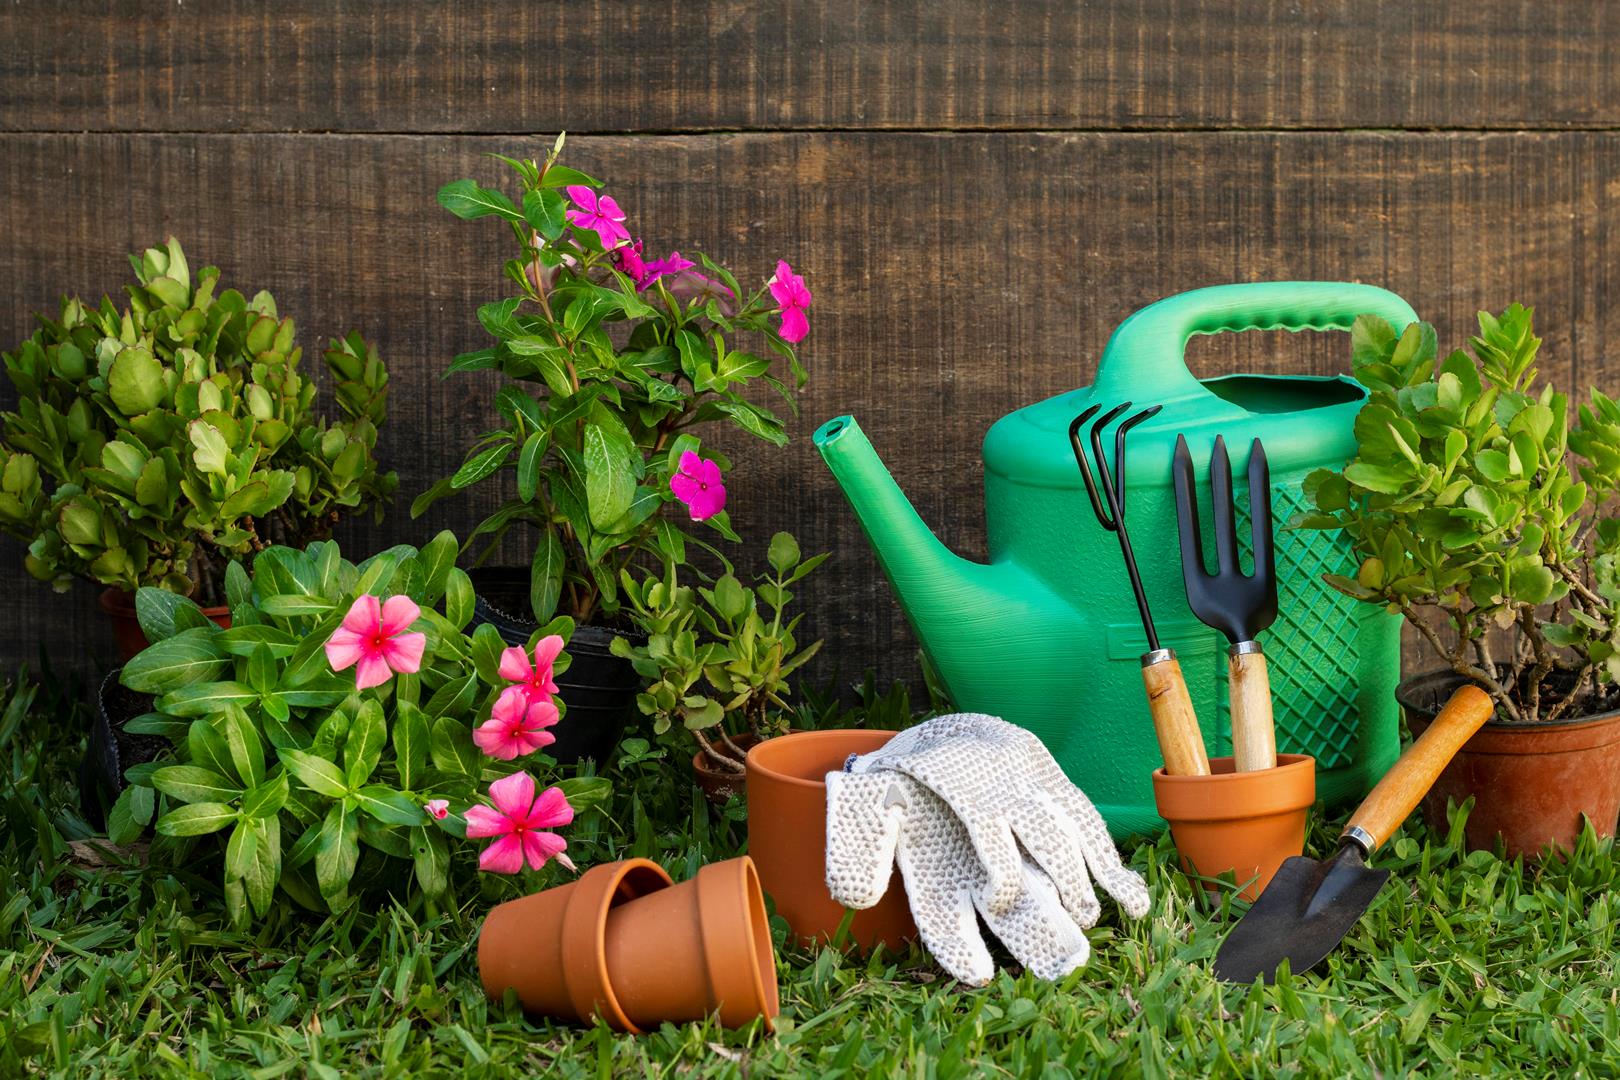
<point>1181,741</point>
<point>1410,778</point>
<point>1254,737</point>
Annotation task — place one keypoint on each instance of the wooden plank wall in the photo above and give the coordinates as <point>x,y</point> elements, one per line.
<point>977,193</point>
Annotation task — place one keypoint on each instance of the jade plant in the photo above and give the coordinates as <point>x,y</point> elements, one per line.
<point>154,443</point>
<point>613,362</point>
<point>330,742</point>
<point>718,658</point>
<point>1475,501</point>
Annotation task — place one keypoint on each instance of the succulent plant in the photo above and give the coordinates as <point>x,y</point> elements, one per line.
<point>153,444</point>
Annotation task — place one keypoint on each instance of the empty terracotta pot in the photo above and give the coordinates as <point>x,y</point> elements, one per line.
<point>1243,823</point>
<point>787,837</point>
<point>119,604</point>
<point>625,943</point>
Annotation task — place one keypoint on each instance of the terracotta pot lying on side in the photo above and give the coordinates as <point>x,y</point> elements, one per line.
<point>787,837</point>
<point>625,943</point>
<point>1242,823</point>
<point>119,604</point>
<point>1532,784</point>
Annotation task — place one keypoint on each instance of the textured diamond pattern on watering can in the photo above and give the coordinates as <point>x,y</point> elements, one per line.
<point>1312,647</point>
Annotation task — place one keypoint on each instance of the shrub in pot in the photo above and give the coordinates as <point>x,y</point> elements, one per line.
<point>1477,501</point>
<point>717,659</point>
<point>613,360</point>
<point>156,442</point>
<point>343,734</point>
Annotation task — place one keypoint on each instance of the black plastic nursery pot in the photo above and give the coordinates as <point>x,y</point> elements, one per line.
<point>599,689</point>
<point>110,749</point>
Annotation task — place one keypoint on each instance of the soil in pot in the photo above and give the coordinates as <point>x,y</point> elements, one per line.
<point>1239,823</point>
<point>110,749</point>
<point>598,688</point>
<point>787,837</point>
<point>1532,784</point>
<point>119,605</point>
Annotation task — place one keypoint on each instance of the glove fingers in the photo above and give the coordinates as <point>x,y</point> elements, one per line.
<point>949,928</point>
<point>1053,843</point>
<point>862,835</point>
<point>1038,931</point>
<point>1119,881</point>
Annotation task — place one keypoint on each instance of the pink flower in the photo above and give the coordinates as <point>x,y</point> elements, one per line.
<point>628,258</point>
<point>788,289</point>
<point>520,820</point>
<point>598,213</point>
<point>534,684</point>
<point>673,263</point>
<point>373,636</point>
<point>697,484</point>
<point>515,727</point>
<point>438,809</point>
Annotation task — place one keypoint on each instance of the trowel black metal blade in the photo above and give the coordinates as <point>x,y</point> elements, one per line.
<point>1305,911</point>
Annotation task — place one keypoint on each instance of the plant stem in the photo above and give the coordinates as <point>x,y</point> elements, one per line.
<point>1459,659</point>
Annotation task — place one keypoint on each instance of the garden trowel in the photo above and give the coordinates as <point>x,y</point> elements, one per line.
<point>1310,905</point>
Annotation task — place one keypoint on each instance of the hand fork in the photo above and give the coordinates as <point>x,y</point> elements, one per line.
<point>1239,605</point>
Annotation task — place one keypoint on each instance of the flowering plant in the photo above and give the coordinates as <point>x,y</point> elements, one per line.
<point>614,358</point>
<point>327,734</point>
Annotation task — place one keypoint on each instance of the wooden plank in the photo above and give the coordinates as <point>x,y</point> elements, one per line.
<point>424,66</point>
<point>956,278</point>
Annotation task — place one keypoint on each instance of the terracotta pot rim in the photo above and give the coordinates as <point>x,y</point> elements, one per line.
<point>584,930</point>
<point>759,756</point>
<point>702,766</point>
<point>1405,688</point>
<point>116,601</point>
<point>734,884</point>
<point>1228,795</point>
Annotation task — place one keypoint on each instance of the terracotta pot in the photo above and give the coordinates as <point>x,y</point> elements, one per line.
<point>787,837</point>
<point>119,604</point>
<point>625,943</point>
<point>1531,783</point>
<point>717,784</point>
<point>1242,823</point>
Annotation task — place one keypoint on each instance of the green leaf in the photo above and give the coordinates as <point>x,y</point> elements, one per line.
<point>238,587</point>
<point>546,574</point>
<point>212,452</point>
<point>293,605</point>
<point>529,458</point>
<point>432,858</point>
<point>410,745</point>
<point>122,828</point>
<point>209,749</point>
<point>157,610</point>
<point>435,561</point>
<point>453,750</point>
<point>196,819</point>
<point>362,749</point>
<point>466,200</point>
<point>610,474</point>
<point>336,853</point>
<point>267,798</point>
<point>201,699</point>
<point>562,176</point>
<point>246,749</point>
<point>264,871</point>
<point>1377,478</point>
<point>481,465</point>
<point>194,784</point>
<point>191,656</point>
<point>135,381</point>
<point>546,212</point>
<point>315,772</point>
<point>261,668</point>
<point>783,553</point>
<point>458,598</point>
<point>584,792</point>
<point>239,851</point>
<point>454,698</point>
<point>389,806</point>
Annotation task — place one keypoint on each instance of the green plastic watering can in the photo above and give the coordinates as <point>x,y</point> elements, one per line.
<point>1046,634</point>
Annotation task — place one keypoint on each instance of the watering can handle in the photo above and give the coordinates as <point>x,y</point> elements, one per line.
<point>1149,348</point>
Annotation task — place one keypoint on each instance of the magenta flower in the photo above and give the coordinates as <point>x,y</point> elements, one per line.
<point>515,727</point>
<point>438,809</point>
<point>628,258</point>
<point>789,290</point>
<point>373,637</point>
<point>521,821</point>
<point>673,263</point>
<point>534,683</point>
<point>697,484</point>
<point>599,213</point>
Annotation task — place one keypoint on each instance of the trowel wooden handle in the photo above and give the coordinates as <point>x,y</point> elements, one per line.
<point>1388,804</point>
<point>1181,741</point>
<point>1254,736</point>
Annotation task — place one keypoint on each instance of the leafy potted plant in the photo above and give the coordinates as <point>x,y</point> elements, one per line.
<point>155,443</point>
<point>1474,503</point>
<point>330,737</point>
<point>717,659</point>
<point>613,361</point>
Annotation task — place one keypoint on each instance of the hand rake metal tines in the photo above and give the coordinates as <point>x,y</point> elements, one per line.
<point>1181,741</point>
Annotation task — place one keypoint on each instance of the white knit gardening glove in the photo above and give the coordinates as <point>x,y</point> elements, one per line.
<point>1004,832</point>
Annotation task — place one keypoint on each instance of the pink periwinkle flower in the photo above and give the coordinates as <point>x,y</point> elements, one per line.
<point>373,640</point>
<point>533,682</point>
<point>516,727</point>
<point>790,291</point>
<point>521,821</point>
<point>629,261</point>
<point>697,484</point>
<point>599,213</point>
<point>673,263</point>
<point>438,809</point>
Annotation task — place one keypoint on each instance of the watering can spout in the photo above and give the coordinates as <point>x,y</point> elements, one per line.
<point>929,578</point>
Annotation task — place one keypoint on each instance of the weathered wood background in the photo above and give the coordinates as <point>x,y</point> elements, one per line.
<point>977,193</point>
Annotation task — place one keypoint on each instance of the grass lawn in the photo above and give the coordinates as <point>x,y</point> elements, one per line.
<point>110,968</point>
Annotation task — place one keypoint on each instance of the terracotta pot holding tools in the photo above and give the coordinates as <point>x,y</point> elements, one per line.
<point>625,943</point>
<point>1242,823</point>
<point>787,837</point>
<point>119,604</point>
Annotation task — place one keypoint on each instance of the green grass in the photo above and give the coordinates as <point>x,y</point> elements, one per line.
<point>1464,964</point>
